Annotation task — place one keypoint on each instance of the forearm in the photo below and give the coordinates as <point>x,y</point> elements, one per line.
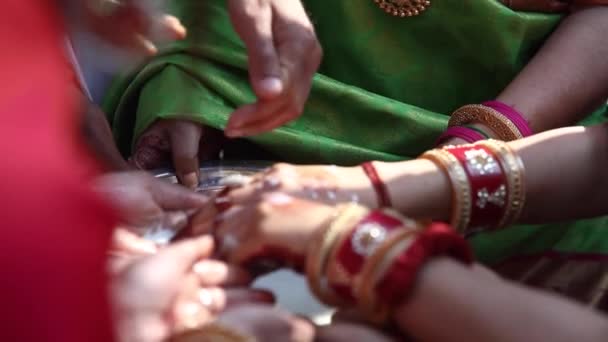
<point>569,75</point>
<point>454,303</point>
<point>99,136</point>
<point>564,178</point>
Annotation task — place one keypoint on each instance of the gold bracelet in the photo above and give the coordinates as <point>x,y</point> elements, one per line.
<point>501,125</point>
<point>317,257</point>
<point>213,332</point>
<point>514,171</point>
<point>461,189</point>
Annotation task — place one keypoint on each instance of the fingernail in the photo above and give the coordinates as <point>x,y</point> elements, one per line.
<point>190,180</point>
<point>272,85</point>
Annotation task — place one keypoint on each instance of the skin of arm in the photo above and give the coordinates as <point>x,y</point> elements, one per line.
<point>98,135</point>
<point>566,79</point>
<point>568,163</point>
<point>451,302</point>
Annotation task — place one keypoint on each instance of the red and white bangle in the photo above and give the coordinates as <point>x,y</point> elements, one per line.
<point>389,274</point>
<point>487,184</point>
<point>373,262</point>
<point>361,241</point>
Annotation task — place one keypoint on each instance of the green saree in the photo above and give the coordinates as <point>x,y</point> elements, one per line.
<point>384,91</point>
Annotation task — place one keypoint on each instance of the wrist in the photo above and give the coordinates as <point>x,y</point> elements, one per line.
<point>356,187</point>
<point>417,188</point>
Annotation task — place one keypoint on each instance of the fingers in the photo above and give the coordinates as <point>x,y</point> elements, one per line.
<point>266,323</point>
<point>167,28</point>
<point>181,256</point>
<point>345,331</point>
<point>185,137</point>
<point>253,22</point>
<point>135,26</point>
<point>202,222</point>
<point>217,273</point>
<point>172,197</point>
<point>195,308</point>
<point>128,243</point>
<point>152,148</point>
<point>295,45</point>
<point>243,121</point>
<point>217,299</point>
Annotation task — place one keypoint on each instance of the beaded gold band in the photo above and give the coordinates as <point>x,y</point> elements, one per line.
<point>319,251</point>
<point>514,169</point>
<point>501,125</point>
<point>461,189</point>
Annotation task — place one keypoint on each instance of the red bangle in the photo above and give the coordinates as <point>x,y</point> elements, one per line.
<point>465,133</point>
<point>384,200</point>
<point>488,182</point>
<point>513,115</point>
<point>437,239</point>
<point>352,251</point>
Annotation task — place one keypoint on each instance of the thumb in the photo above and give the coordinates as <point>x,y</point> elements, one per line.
<point>252,20</point>
<point>185,137</point>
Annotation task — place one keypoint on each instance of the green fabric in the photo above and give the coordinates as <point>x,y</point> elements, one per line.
<point>384,91</point>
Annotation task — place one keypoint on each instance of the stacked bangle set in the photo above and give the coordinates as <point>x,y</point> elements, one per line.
<point>487,181</point>
<point>504,121</point>
<point>369,259</point>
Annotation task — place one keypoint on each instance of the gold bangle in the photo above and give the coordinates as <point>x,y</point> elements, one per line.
<point>317,257</point>
<point>514,169</point>
<point>212,332</point>
<point>461,189</point>
<point>501,125</point>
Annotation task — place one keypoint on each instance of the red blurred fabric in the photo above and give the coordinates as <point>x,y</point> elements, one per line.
<point>54,231</point>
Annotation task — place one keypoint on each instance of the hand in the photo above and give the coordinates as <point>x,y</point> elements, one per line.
<point>134,25</point>
<point>186,142</point>
<point>158,295</point>
<point>284,55</point>
<point>326,184</point>
<point>277,229</point>
<point>144,200</point>
<point>344,331</point>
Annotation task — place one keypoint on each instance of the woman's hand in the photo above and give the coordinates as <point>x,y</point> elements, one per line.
<point>157,295</point>
<point>284,55</point>
<point>272,232</point>
<point>325,184</point>
<point>184,142</point>
<point>133,25</point>
<point>145,201</point>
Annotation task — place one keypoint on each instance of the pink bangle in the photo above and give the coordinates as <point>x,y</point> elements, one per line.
<point>513,115</point>
<point>464,133</point>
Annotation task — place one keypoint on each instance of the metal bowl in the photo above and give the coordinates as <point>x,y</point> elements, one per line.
<point>213,175</point>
